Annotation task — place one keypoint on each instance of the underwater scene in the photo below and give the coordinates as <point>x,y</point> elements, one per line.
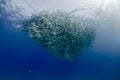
<point>59,40</point>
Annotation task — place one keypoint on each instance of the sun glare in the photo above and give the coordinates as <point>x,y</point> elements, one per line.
<point>106,2</point>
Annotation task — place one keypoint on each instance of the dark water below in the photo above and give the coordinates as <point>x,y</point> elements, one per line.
<point>19,54</point>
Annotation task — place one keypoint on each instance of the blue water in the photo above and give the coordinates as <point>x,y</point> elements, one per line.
<point>21,58</point>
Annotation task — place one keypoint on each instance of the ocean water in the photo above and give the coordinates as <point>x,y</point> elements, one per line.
<point>21,58</point>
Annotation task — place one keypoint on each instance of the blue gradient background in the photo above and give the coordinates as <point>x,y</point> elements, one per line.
<point>19,54</point>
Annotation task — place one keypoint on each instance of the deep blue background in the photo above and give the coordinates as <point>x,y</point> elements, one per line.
<point>19,54</point>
